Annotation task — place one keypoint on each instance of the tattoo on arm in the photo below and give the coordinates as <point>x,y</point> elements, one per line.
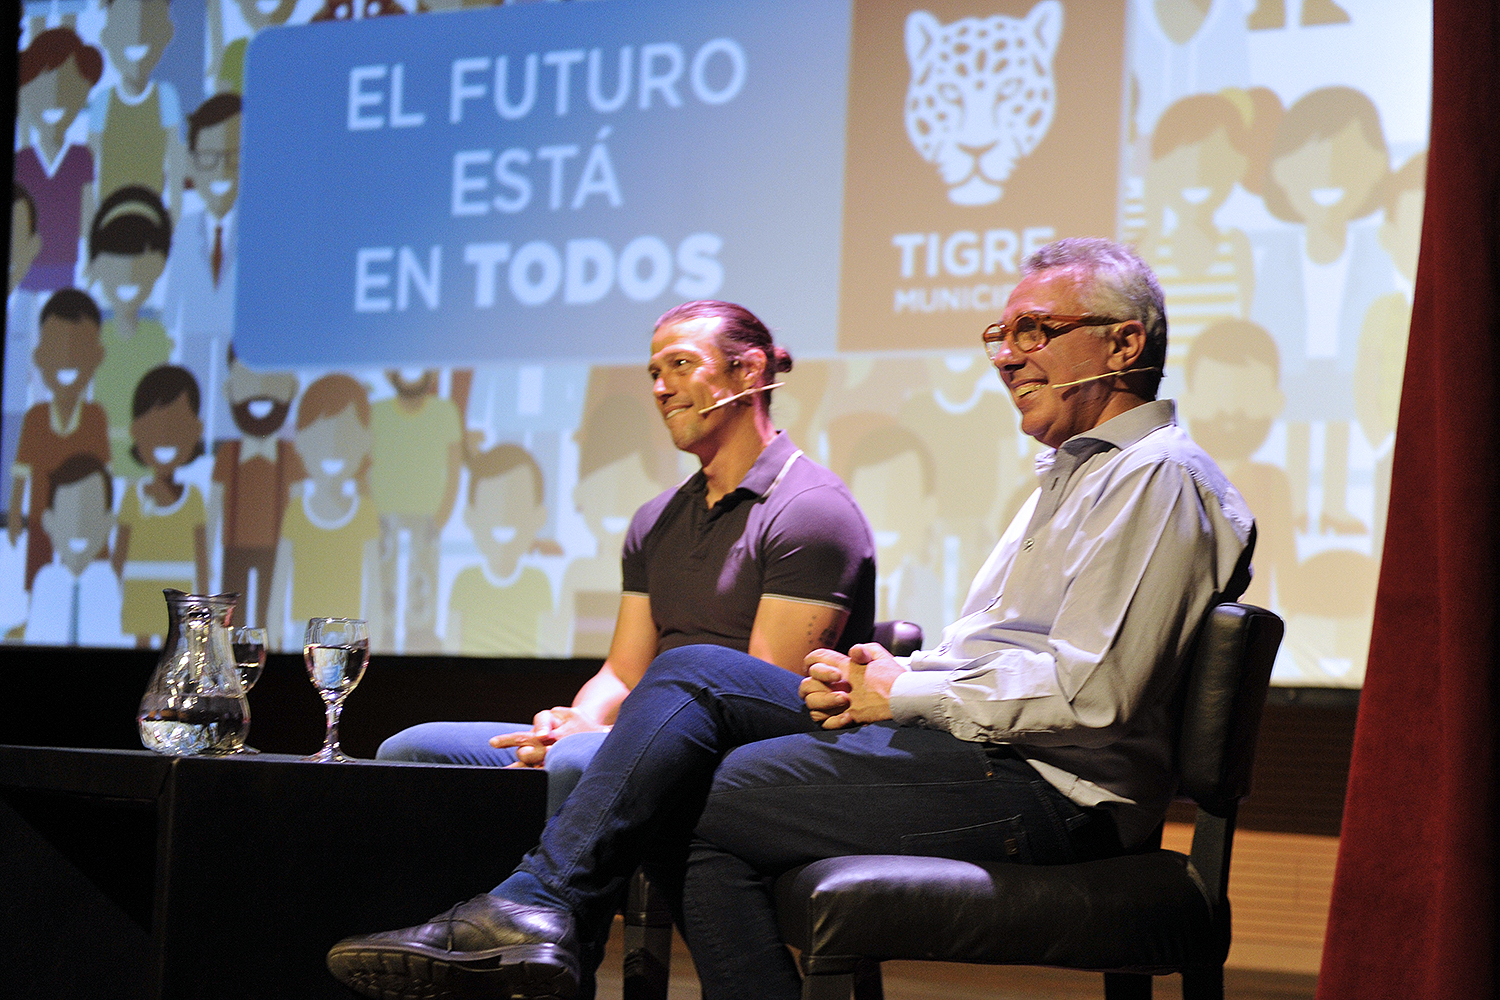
<point>829,637</point>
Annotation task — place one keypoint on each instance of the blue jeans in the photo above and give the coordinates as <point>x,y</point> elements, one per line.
<point>803,795</point>
<point>639,798</point>
<point>469,743</point>
<point>642,792</point>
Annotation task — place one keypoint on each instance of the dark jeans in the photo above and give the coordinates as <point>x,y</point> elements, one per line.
<point>797,794</point>
<point>875,789</point>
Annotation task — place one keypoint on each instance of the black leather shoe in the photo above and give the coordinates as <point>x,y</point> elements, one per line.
<point>487,947</point>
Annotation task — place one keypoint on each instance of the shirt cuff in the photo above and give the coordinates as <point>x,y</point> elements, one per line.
<point>916,696</point>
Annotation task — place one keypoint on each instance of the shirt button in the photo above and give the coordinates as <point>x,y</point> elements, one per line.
<point>1026,545</point>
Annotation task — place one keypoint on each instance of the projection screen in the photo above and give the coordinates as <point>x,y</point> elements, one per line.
<point>345,307</point>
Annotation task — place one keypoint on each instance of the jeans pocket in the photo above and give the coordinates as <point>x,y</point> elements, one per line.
<point>997,840</point>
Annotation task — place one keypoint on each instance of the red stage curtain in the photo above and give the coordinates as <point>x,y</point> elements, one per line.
<point>1414,893</point>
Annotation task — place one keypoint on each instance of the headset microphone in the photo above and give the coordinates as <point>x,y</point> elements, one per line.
<point>740,395</point>
<point>1095,378</point>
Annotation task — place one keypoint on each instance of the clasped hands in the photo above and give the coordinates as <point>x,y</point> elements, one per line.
<point>547,727</point>
<point>843,691</point>
<point>839,691</point>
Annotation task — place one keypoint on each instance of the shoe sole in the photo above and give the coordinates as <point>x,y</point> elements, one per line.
<point>534,972</point>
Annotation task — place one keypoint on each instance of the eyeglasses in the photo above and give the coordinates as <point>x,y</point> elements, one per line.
<point>1031,330</point>
<point>211,159</point>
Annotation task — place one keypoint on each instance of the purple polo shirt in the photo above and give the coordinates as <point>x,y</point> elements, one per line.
<point>790,530</point>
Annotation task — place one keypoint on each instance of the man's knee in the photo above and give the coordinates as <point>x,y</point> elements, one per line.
<point>412,744</point>
<point>703,665</point>
<point>690,660</point>
<point>449,743</point>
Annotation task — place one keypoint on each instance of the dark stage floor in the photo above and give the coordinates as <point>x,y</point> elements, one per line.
<point>942,981</point>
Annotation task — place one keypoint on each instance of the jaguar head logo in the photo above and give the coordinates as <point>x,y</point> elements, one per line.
<point>981,95</point>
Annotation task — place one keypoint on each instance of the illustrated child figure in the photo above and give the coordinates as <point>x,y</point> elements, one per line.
<point>67,354</point>
<point>495,608</point>
<point>135,126</point>
<point>162,540</point>
<point>75,599</point>
<point>56,72</point>
<point>252,478</point>
<point>129,241</point>
<point>962,414</point>
<point>25,244</point>
<point>328,554</point>
<point>1328,168</point>
<point>416,454</point>
<point>1200,149</point>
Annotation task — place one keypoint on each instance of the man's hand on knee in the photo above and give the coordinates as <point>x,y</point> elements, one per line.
<point>547,727</point>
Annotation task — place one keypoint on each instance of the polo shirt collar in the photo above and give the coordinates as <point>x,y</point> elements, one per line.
<point>762,475</point>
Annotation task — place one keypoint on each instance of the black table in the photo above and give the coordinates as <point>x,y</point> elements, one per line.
<point>127,874</point>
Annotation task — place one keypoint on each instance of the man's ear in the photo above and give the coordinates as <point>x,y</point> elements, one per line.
<point>1127,344</point>
<point>753,368</point>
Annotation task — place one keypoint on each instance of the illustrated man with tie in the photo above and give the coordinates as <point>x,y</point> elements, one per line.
<point>199,308</point>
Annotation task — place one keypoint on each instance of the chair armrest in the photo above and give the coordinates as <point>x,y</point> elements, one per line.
<point>902,638</point>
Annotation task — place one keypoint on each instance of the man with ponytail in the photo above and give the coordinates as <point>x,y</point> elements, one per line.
<point>762,553</point>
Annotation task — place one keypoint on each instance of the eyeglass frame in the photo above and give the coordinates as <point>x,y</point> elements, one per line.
<point>213,159</point>
<point>998,333</point>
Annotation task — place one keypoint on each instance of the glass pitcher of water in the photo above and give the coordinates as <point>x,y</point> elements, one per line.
<point>195,703</point>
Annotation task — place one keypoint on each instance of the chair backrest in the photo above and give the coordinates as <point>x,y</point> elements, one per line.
<point>1225,694</point>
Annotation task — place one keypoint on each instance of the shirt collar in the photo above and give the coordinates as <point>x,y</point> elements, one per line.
<point>258,447</point>
<point>762,475</point>
<point>226,221</point>
<point>130,101</point>
<point>1119,432</point>
<point>64,424</point>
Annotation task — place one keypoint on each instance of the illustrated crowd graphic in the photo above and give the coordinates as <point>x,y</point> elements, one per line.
<point>481,510</point>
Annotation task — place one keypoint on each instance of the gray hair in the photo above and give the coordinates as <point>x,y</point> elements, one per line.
<point>1120,284</point>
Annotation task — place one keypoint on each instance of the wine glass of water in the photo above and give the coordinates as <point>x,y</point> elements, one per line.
<point>336,651</point>
<point>249,646</point>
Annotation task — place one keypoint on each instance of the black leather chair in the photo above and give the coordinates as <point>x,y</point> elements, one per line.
<point>648,919</point>
<point>1131,917</point>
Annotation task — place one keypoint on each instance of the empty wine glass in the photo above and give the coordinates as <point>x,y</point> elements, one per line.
<point>249,646</point>
<point>336,651</point>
